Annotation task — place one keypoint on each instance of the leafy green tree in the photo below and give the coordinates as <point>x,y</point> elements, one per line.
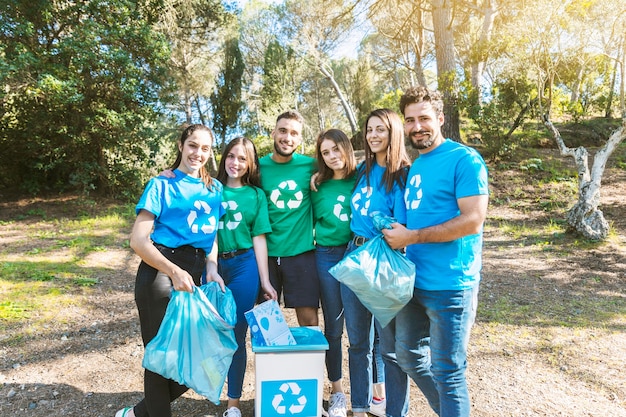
<point>194,30</point>
<point>226,98</point>
<point>80,86</point>
<point>279,86</point>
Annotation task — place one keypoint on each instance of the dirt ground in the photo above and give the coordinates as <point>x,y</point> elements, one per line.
<point>87,361</point>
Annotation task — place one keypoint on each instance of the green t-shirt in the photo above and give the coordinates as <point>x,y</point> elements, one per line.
<point>331,211</point>
<point>289,202</point>
<point>246,216</point>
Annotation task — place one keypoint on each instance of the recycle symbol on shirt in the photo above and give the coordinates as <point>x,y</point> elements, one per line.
<point>278,198</point>
<point>201,207</point>
<point>362,206</point>
<point>413,203</point>
<point>338,209</point>
<point>234,217</point>
<point>296,405</point>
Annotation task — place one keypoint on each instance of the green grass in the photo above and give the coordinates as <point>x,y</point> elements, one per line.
<point>45,270</point>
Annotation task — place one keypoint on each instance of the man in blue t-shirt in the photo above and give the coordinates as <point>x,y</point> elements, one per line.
<point>446,198</point>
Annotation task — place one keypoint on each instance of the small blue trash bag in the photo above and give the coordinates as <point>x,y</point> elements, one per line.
<point>196,341</point>
<point>382,278</point>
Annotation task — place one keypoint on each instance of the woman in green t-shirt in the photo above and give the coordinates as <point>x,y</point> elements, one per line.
<point>242,258</point>
<point>331,218</point>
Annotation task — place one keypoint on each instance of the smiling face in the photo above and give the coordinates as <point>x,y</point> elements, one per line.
<point>422,125</point>
<point>287,136</point>
<point>377,136</point>
<point>333,158</point>
<point>236,162</point>
<point>195,152</point>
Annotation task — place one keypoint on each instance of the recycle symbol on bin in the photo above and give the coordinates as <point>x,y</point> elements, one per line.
<point>289,399</point>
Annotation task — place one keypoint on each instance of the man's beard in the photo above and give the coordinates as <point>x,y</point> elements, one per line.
<point>280,152</point>
<point>422,144</point>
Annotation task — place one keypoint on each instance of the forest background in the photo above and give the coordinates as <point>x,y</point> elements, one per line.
<point>94,93</point>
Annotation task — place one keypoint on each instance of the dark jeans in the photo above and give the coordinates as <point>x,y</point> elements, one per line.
<point>152,294</point>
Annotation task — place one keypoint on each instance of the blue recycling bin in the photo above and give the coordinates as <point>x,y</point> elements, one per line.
<point>289,379</point>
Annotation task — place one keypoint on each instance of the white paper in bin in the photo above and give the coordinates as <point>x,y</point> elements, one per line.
<point>268,326</point>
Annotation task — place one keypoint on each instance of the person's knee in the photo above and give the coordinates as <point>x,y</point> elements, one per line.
<point>307,316</point>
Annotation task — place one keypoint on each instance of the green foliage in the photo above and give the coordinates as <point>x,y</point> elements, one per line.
<point>81,81</point>
<point>497,118</point>
<point>278,93</point>
<point>226,98</point>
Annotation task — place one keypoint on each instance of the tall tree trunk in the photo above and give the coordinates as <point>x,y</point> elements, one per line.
<point>446,68</point>
<point>489,11</point>
<point>608,110</point>
<point>342,98</point>
<point>622,88</point>
<point>576,87</point>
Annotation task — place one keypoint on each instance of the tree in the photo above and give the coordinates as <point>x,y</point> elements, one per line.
<point>279,91</point>
<point>402,39</point>
<point>226,98</point>
<point>317,27</point>
<point>80,83</point>
<point>193,29</point>
<point>585,216</point>
<point>447,79</point>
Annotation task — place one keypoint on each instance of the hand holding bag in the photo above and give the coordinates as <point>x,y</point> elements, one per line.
<point>196,341</point>
<point>382,278</point>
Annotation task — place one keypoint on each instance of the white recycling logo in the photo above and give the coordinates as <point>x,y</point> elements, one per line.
<point>235,218</point>
<point>289,185</point>
<point>192,217</point>
<point>338,209</point>
<point>413,204</point>
<point>365,192</point>
<point>278,402</point>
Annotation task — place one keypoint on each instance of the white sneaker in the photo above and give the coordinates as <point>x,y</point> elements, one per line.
<point>378,409</point>
<point>232,412</point>
<point>124,412</point>
<point>337,405</point>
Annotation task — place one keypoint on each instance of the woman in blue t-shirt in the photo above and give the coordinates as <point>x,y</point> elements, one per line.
<point>242,258</point>
<point>380,184</point>
<point>175,236</point>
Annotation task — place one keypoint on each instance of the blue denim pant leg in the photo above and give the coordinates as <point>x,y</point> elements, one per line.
<point>241,276</point>
<point>397,381</point>
<point>332,307</point>
<point>437,348</point>
<point>378,364</point>
<point>360,329</point>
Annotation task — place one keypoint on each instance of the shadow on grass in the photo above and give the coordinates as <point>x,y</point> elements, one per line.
<point>551,279</point>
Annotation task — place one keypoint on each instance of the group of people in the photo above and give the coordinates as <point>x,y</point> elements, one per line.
<point>285,219</point>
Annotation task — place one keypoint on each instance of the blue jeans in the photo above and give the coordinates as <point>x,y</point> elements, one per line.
<point>241,276</point>
<point>430,337</point>
<point>332,307</point>
<point>360,326</point>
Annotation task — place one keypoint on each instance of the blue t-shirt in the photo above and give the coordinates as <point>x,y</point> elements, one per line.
<point>436,181</point>
<point>186,211</point>
<point>370,199</point>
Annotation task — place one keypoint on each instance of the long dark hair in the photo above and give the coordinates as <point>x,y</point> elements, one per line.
<point>189,130</point>
<point>252,175</point>
<point>397,160</point>
<point>345,148</point>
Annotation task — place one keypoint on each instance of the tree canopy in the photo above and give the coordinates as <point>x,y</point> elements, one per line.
<point>94,93</point>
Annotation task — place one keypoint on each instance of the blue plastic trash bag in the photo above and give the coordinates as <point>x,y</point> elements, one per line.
<point>382,278</point>
<point>196,341</point>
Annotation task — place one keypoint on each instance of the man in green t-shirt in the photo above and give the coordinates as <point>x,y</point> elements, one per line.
<point>285,179</point>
